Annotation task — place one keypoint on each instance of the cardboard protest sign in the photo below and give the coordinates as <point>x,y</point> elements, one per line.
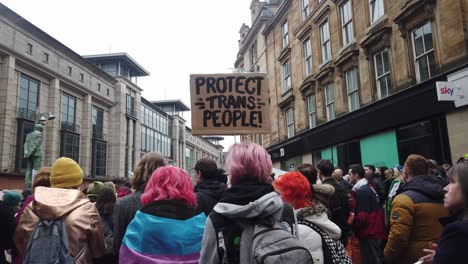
<point>229,104</point>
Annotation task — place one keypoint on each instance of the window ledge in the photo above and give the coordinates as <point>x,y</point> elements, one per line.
<point>324,64</point>
<point>284,53</point>
<point>383,19</point>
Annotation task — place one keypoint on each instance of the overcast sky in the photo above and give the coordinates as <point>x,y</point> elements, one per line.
<point>170,39</point>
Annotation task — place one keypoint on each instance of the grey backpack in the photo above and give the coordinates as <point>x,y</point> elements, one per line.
<point>270,242</point>
<point>49,244</point>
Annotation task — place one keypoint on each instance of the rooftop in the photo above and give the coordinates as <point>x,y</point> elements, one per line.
<point>136,68</point>
<point>177,105</point>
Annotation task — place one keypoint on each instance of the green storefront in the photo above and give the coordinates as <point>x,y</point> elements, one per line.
<point>380,149</point>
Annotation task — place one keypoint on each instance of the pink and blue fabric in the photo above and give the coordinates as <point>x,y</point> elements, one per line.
<point>153,239</point>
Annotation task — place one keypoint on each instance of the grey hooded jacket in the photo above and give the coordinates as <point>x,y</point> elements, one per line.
<point>268,205</point>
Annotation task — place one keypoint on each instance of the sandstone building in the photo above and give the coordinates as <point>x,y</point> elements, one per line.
<point>354,81</point>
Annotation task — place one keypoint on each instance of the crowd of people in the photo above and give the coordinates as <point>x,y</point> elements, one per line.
<point>414,213</point>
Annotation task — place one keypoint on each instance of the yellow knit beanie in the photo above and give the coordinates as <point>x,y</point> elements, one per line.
<point>66,173</point>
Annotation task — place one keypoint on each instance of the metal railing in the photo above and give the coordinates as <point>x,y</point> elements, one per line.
<point>27,114</point>
<point>70,127</point>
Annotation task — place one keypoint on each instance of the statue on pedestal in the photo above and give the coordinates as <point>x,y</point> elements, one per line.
<point>33,153</point>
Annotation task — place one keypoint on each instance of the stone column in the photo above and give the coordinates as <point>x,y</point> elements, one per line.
<point>116,137</point>
<point>8,111</point>
<point>86,130</point>
<point>51,142</point>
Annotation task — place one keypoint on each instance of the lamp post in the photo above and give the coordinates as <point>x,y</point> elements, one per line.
<point>44,117</point>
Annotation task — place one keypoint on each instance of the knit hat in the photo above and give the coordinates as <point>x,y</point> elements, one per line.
<point>94,188</point>
<point>11,199</point>
<point>66,173</point>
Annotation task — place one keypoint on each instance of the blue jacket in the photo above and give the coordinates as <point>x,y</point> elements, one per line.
<point>453,241</point>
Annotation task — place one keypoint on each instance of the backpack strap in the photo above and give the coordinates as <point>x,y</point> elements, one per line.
<point>289,217</point>
<point>219,221</point>
<point>327,257</point>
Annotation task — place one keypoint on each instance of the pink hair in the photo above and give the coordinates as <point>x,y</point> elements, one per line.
<point>248,162</point>
<point>169,183</point>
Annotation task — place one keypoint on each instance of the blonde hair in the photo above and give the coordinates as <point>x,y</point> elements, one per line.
<point>145,168</point>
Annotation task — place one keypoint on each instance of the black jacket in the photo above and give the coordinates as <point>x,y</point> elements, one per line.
<point>208,194</point>
<point>339,209</point>
<point>7,229</point>
<point>453,241</point>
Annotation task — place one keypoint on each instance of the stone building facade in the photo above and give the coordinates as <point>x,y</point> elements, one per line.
<point>252,49</point>
<point>91,106</point>
<point>354,81</point>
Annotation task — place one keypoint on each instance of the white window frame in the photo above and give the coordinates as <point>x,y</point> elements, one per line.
<point>425,55</point>
<point>376,10</point>
<point>285,34</point>
<point>286,74</point>
<point>312,111</point>
<point>307,48</point>
<point>347,22</point>
<point>352,88</point>
<point>385,73</point>
<point>305,9</point>
<point>253,53</point>
<point>330,101</point>
<point>289,114</point>
<point>325,41</point>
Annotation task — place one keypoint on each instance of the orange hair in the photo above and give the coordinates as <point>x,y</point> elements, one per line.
<point>294,189</point>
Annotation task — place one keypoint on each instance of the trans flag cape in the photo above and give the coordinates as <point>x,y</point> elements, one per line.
<point>153,239</point>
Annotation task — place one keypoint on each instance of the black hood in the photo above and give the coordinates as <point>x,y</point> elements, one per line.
<point>426,185</point>
<point>213,189</point>
<point>242,194</point>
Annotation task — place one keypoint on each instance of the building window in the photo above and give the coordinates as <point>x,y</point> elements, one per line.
<point>28,97</point>
<point>423,51</point>
<point>70,146</point>
<point>108,92</point>
<point>307,57</point>
<point>330,101</point>
<point>285,34</point>
<point>253,53</point>
<point>286,71</point>
<point>382,74</point>
<point>347,22</point>
<point>325,42</point>
<point>311,111</point>
<point>376,9</point>
<point>98,123</point>
<point>131,105</point>
<point>305,9</point>
<point>81,77</point>
<point>352,89</point>
<point>99,158</point>
<point>99,87</point>
<point>29,48</point>
<point>70,70</point>
<point>290,122</point>
<point>68,112</point>
<point>45,57</point>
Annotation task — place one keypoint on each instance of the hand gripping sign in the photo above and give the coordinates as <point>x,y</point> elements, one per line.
<point>229,104</point>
